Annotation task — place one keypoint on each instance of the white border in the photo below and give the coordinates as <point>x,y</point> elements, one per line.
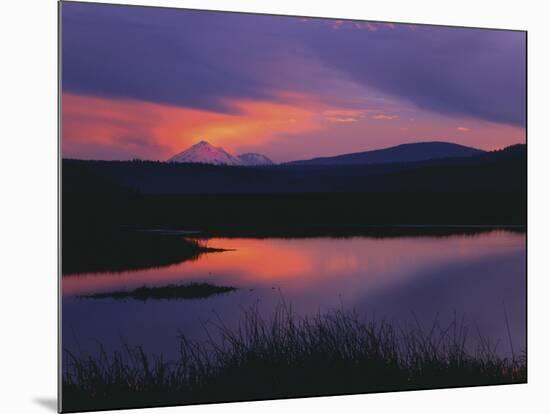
<point>28,179</point>
<point>402,11</point>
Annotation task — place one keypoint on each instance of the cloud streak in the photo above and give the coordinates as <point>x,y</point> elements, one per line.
<point>198,58</point>
<point>385,117</point>
<point>451,71</point>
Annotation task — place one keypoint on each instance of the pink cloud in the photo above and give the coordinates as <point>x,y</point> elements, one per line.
<point>385,117</point>
<point>344,115</point>
<point>336,119</point>
<point>337,24</point>
<point>359,25</point>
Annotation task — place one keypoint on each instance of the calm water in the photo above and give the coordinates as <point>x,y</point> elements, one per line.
<point>403,279</point>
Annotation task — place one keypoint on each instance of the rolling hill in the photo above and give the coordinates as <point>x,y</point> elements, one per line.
<point>418,151</point>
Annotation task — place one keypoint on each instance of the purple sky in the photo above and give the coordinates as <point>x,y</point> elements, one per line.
<point>148,82</point>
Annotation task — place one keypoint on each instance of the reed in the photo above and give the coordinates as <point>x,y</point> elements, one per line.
<point>287,356</point>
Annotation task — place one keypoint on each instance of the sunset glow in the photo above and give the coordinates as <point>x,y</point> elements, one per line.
<point>137,129</point>
<point>99,128</point>
<point>246,89</point>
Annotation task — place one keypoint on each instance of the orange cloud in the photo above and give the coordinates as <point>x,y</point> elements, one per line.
<point>123,129</point>
<point>385,117</point>
<point>462,129</point>
<point>336,119</point>
<point>344,115</point>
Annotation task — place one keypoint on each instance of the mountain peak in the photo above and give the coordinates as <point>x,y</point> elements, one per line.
<point>205,153</point>
<point>252,158</point>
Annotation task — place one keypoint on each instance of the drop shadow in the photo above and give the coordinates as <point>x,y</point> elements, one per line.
<point>48,403</point>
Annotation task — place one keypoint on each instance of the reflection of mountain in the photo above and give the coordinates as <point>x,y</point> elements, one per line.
<point>419,151</point>
<point>205,153</point>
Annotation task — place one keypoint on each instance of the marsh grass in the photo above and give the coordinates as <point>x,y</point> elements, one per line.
<point>287,356</point>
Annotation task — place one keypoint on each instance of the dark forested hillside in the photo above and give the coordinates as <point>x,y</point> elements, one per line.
<point>493,171</point>
<point>486,189</point>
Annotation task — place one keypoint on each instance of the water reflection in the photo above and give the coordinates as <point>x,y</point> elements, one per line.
<point>402,278</point>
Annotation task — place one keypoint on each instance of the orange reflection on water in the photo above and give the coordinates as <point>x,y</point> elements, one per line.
<point>265,259</point>
<point>247,260</point>
<point>352,264</point>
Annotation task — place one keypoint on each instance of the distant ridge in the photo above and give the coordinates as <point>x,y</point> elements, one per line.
<point>414,152</point>
<point>205,153</point>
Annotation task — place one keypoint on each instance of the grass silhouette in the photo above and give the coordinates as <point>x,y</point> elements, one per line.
<point>287,356</point>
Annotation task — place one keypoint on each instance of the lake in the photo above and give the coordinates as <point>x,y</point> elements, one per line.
<point>478,278</point>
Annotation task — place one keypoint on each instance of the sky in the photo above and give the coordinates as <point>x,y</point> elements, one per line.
<point>147,83</point>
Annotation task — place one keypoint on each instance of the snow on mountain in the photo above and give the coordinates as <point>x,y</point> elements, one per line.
<point>205,153</point>
<point>252,159</point>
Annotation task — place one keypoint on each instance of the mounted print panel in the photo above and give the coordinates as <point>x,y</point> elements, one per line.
<point>261,207</point>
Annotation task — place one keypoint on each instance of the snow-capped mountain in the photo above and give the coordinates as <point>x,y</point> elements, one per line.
<point>252,158</point>
<point>205,153</point>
